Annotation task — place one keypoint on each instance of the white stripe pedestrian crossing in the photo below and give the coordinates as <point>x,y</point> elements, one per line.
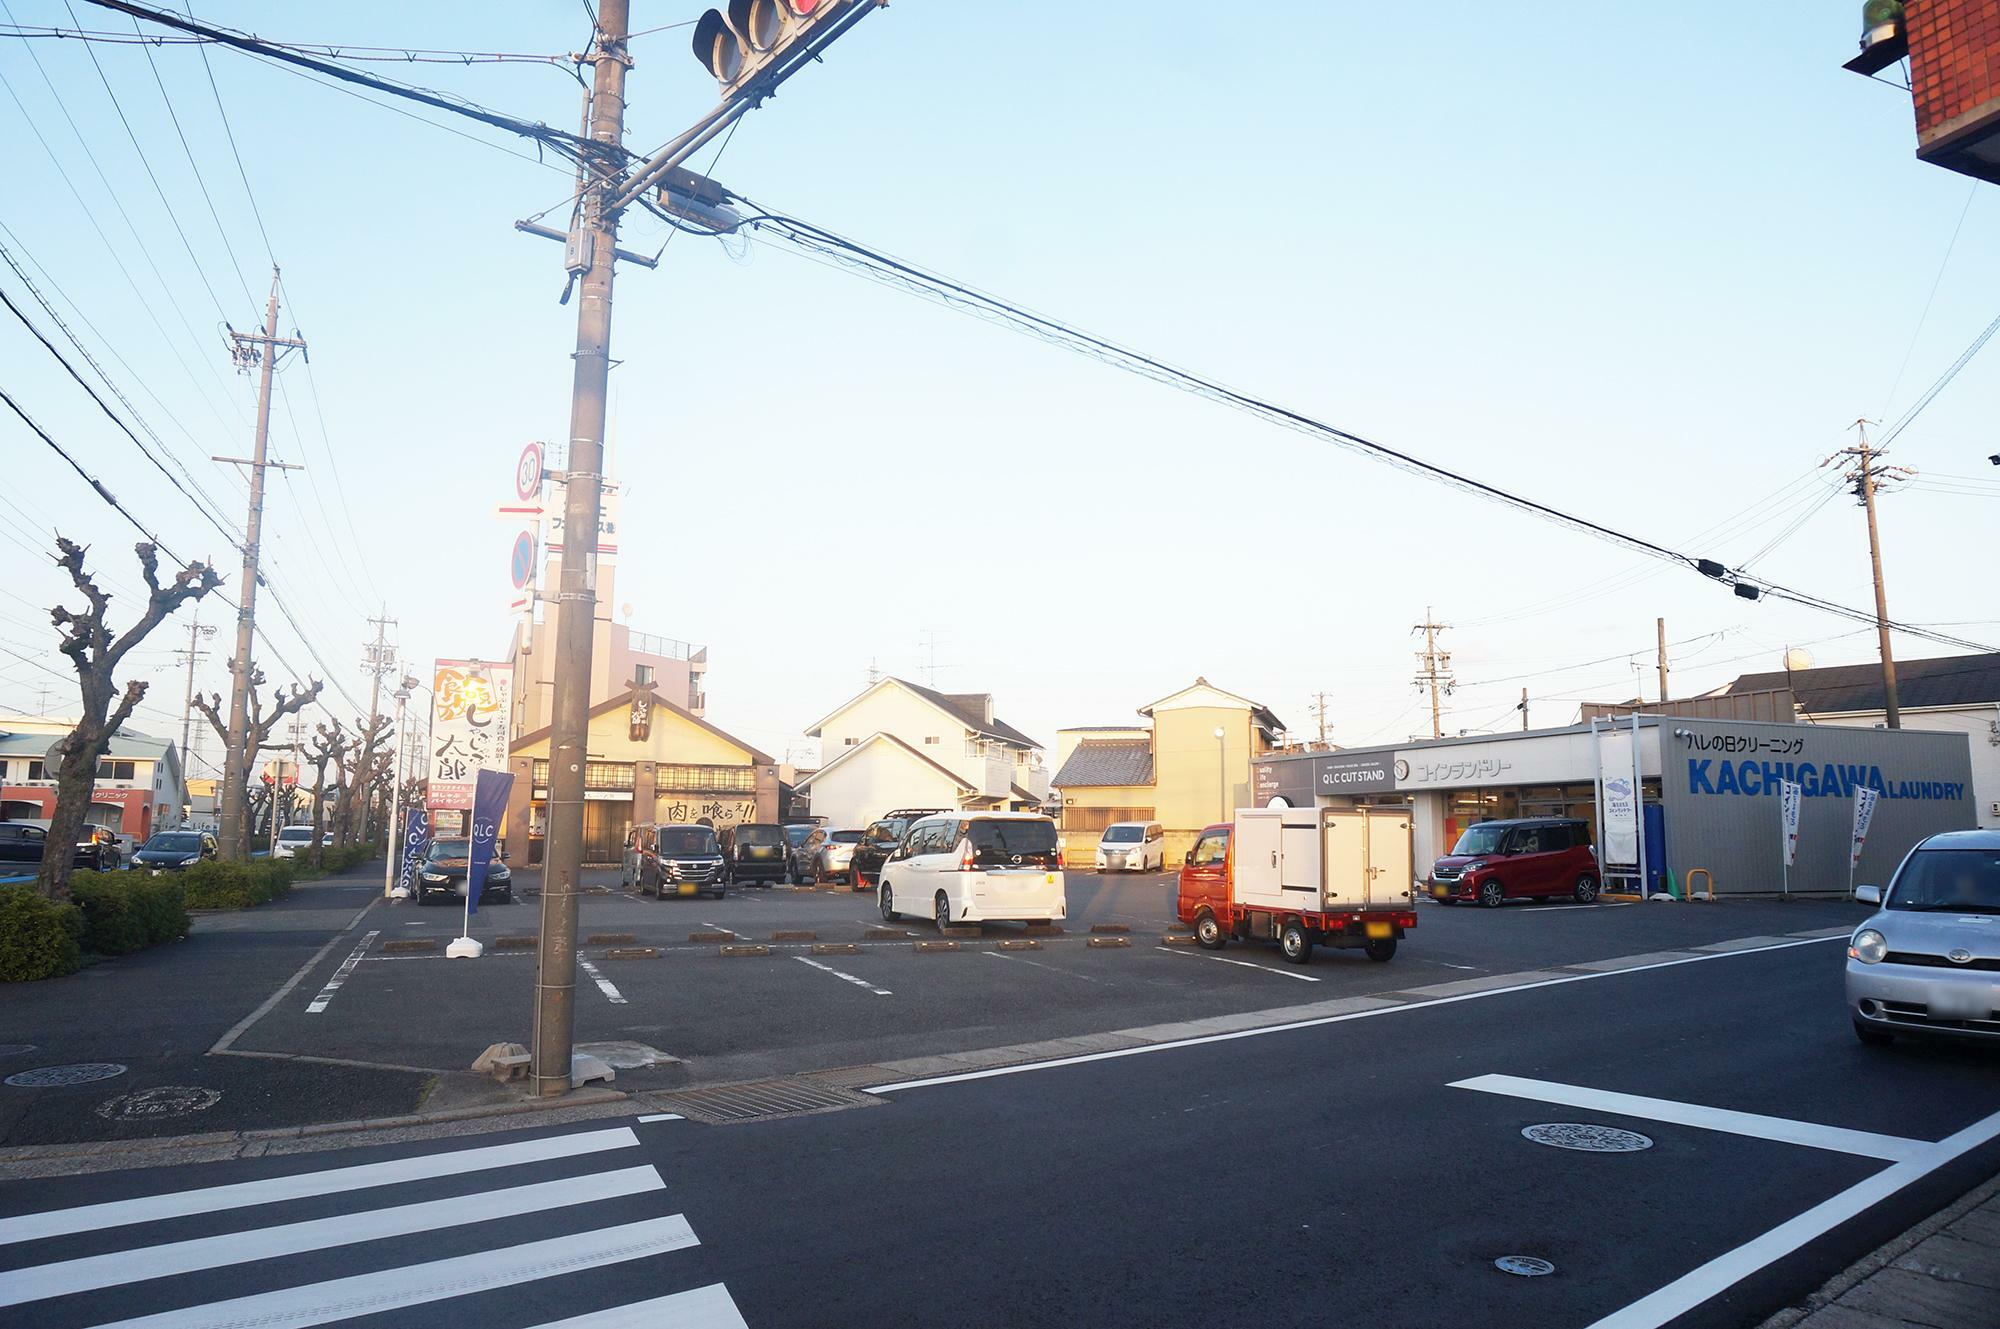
<point>419,1284</point>
<point>183,1257</point>
<point>708,1307</point>
<point>272,1190</point>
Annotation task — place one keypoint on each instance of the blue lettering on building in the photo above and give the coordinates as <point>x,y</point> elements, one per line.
<point>1706,775</point>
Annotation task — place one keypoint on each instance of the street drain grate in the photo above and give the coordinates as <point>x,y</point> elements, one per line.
<point>47,1077</point>
<point>761,1100</point>
<point>1586,1138</point>
<point>1526,1266</point>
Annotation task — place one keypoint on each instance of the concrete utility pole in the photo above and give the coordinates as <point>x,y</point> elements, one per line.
<point>1435,673</point>
<point>591,244</point>
<point>262,350</point>
<point>1318,709</point>
<point>1868,475</point>
<point>379,659</point>
<point>196,631</point>
<point>1524,710</point>
<point>1660,630</point>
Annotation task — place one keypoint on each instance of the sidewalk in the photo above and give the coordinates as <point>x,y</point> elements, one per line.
<point>1941,1274</point>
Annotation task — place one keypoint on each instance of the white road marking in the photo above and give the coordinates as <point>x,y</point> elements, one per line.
<point>663,1116</point>
<point>858,982</point>
<point>420,1284</point>
<point>325,996</point>
<point>1247,964</point>
<point>1289,1026</point>
<point>604,984</point>
<point>329,1181</point>
<point>265,1243</point>
<point>703,1308</point>
<point>1054,969</point>
<point>237,1030</point>
<point>1891,1148</point>
<point>717,927</point>
<point>1725,1271</point>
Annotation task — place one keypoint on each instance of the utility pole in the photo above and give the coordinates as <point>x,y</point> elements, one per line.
<point>196,631</point>
<point>591,244</point>
<point>379,658</point>
<point>1524,710</point>
<point>1318,709</point>
<point>1868,476</point>
<point>1435,673</point>
<point>1660,630</point>
<point>262,350</point>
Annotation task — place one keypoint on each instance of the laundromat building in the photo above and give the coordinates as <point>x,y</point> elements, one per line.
<point>1711,792</point>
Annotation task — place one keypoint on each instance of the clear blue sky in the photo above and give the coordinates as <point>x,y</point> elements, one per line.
<point>1632,260</point>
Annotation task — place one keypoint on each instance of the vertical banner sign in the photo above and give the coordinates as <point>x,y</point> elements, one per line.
<point>1790,795</point>
<point>1620,813</point>
<point>1864,812</point>
<point>416,843</point>
<point>489,805</point>
<point>471,707</point>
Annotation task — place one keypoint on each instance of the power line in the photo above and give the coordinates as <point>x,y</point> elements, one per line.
<point>1964,359</point>
<point>88,478</point>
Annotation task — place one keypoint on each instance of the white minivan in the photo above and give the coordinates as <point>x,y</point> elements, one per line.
<point>1132,846</point>
<point>970,867</point>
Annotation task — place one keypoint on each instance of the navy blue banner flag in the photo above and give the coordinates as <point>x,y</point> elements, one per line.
<point>489,805</point>
<point>416,843</point>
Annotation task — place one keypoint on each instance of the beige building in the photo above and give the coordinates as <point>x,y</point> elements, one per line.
<point>1191,767</point>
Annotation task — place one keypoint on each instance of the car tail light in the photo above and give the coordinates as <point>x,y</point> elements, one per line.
<point>1060,862</point>
<point>965,857</point>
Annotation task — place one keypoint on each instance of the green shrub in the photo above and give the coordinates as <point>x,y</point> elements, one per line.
<point>215,884</point>
<point>125,912</point>
<point>37,939</point>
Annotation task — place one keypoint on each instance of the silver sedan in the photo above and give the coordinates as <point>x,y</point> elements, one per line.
<point>1928,960</point>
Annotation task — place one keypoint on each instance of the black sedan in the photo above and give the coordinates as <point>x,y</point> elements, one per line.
<point>878,842</point>
<point>441,876</point>
<point>173,849</point>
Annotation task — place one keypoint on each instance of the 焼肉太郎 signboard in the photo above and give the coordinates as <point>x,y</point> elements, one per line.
<point>471,705</point>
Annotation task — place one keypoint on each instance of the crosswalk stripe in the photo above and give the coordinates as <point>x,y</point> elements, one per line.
<point>419,1284</point>
<point>708,1307</point>
<point>185,1257</point>
<point>332,1181</point>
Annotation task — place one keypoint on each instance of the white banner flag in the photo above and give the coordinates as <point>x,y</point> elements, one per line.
<point>1620,814</point>
<point>472,704</point>
<point>1790,796</point>
<point>1864,812</point>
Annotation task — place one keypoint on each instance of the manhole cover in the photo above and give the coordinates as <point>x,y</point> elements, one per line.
<point>1589,1139</point>
<point>167,1100</point>
<point>16,1049</point>
<point>45,1077</point>
<point>1527,1266</point>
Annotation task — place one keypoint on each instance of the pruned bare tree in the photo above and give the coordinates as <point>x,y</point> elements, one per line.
<point>366,761</point>
<point>262,724</point>
<point>95,651</point>
<point>329,747</point>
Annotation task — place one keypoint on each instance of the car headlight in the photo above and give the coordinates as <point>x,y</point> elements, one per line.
<point>1474,865</point>
<point>436,878</point>
<point>191,860</point>
<point>1868,946</point>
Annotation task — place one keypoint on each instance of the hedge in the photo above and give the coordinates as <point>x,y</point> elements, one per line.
<point>125,912</point>
<point>37,939</point>
<point>216,884</point>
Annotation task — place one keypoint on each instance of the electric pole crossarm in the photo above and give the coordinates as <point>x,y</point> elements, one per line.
<point>267,465</point>
<point>551,233</point>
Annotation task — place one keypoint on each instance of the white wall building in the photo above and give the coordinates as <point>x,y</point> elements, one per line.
<point>900,745</point>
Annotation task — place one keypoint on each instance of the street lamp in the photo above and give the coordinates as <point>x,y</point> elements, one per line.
<point>389,884</point>
<point>1222,770</point>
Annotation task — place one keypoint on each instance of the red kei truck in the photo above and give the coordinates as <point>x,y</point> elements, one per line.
<point>1303,877</point>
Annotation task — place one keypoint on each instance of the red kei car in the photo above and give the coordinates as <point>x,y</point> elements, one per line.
<point>1536,858</point>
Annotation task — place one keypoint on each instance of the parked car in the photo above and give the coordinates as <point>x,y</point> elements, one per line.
<point>443,872</point>
<point>796,835</point>
<point>756,852</point>
<point>174,849</point>
<point>879,841</point>
<point>98,849</point>
<point>676,860</point>
<point>1533,858</point>
<point>1927,961</point>
<point>970,867</point>
<point>292,839</point>
<point>829,855</point>
<point>1132,846</point>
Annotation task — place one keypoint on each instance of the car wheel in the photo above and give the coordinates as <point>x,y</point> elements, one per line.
<point>1874,1038</point>
<point>1208,933</point>
<point>941,911</point>
<point>1382,948</point>
<point>1586,889</point>
<point>1492,894</point>
<point>1295,942</point>
<point>887,900</point>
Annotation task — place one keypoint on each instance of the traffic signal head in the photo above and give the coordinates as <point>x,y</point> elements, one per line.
<point>737,43</point>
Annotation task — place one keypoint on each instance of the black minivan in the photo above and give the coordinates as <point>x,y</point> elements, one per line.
<point>758,852</point>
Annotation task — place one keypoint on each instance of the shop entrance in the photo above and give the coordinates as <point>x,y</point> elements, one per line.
<point>605,826</point>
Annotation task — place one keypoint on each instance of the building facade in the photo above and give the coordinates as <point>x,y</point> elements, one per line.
<point>140,787</point>
<point>1953,47</point>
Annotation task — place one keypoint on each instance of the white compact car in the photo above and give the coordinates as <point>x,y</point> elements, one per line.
<point>1928,961</point>
<point>971,867</point>
<point>291,840</point>
<point>1132,846</point>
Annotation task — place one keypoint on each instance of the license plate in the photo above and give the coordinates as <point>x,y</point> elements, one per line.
<point>687,888</point>
<point>1380,930</point>
<point>1440,891</point>
<point>1961,1003</point>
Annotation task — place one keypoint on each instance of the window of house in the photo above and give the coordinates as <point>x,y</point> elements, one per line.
<point>685,778</point>
<point>35,771</point>
<point>849,742</point>
<point>931,741</point>
<point>642,674</point>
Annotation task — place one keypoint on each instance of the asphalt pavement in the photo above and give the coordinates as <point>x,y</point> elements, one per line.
<point>1368,1167</point>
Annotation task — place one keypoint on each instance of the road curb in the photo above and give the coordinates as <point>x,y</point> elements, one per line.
<point>633,953</point>
<point>836,948</point>
<point>1177,939</point>
<point>733,952</point>
<point>705,938</point>
<point>1020,944</point>
<point>795,935</point>
<point>923,946</point>
<point>1106,943</point>
<point>1109,929</point>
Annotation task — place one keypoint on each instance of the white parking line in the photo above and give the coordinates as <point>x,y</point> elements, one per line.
<point>1868,1144</point>
<point>603,984</point>
<point>1247,964</point>
<point>858,982</point>
<point>708,1307</point>
<point>1054,969</point>
<point>325,996</point>
<point>717,927</point>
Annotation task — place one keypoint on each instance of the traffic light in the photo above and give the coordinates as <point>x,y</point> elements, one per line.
<point>738,44</point>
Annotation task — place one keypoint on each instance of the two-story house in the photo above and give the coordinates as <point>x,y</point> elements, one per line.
<point>899,745</point>
<point>140,788</point>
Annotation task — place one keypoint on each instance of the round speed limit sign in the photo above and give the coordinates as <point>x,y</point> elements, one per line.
<point>528,472</point>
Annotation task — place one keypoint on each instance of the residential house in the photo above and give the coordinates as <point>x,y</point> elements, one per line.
<point>140,787</point>
<point>901,745</point>
<point>1178,772</point>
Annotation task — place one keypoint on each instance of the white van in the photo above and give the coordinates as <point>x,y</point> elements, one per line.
<point>1132,846</point>
<point>292,841</point>
<point>970,867</point>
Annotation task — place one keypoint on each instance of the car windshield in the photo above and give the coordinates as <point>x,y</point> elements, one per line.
<point>181,844</point>
<point>845,837</point>
<point>1484,839</point>
<point>1124,834</point>
<point>766,835</point>
<point>688,840</point>
<point>299,833</point>
<point>1956,881</point>
<point>1014,837</point>
<point>441,850</point>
